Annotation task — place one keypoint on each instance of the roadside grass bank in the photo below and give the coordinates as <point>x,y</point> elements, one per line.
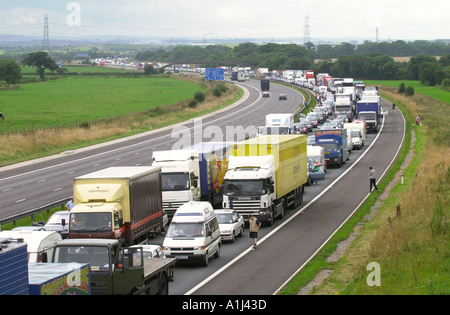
<point>402,236</point>
<point>131,119</point>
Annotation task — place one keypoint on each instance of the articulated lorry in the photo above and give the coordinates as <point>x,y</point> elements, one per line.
<point>266,175</point>
<point>265,85</point>
<point>369,109</point>
<point>213,165</point>
<point>279,124</point>
<point>334,141</point>
<point>180,174</point>
<point>123,203</point>
<point>343,105</point>
<point>193,174</point>
<point>115,269</point>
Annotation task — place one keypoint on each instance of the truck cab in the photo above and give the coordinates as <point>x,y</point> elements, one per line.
<point>113,270</point>
<point>277,124</point>
<point>180,174</point>
<point>334,142</point>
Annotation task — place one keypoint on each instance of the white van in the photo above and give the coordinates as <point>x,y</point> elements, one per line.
<point>38,242</point>
<point>193,234</point>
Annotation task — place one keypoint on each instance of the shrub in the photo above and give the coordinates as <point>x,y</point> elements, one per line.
<point>409,91</point>
<point>192,103</point>
<point>199,96</point>
<point>401,88</point>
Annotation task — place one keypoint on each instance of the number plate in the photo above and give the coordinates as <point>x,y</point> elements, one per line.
<point>181,257</point>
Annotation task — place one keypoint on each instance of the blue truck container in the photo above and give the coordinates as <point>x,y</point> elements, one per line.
<point>213,165</point>
<point>334,141</point>
<point>59,279</point>
<point>13,267</point>
<point>369,109</point>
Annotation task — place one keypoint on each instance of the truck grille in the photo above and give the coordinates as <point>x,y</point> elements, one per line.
<point>245,204</point>
<point>171,207</point>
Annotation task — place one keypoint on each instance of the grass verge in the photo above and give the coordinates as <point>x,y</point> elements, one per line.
<point>408,236</point>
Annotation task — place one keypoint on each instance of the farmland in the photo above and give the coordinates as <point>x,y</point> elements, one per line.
<point>76,99</point>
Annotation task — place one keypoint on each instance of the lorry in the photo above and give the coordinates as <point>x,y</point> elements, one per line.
<point>123,203</point>
<point>369,109</point>
<point>265,176</point>
<point>234,76</point>
<point>115,269</point>
<point>192,174</point>
<point>358,133</point>
<point>265,85</point>
<point>277,124</point>
<point>213,165</point>
<point>180,174</point>
<point>334,141</point>
<point>241,76</point>
<point>343,105</point>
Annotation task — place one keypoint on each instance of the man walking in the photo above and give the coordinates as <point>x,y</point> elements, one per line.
<point>372,178</point>
<point>254,225</point>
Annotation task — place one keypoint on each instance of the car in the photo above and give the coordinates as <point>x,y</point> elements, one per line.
<point>151,251</point>
<point>307,124</point>
<point>344,118</point>
<point>333,124</point>
<point>313,118</point>
<point>231,224</point>
<point>265,94</point>
<point>329,109</point>
<point>311,140</point>
<point>59,222</point>
<point>300,128</point>
<point>282,97</point>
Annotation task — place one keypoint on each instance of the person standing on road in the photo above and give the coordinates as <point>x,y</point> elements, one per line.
<point>254,225</point>
<point>373,180</point>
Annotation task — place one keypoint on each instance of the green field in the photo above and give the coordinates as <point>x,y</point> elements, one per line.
<point>431,91</point>
<point>76,99</point>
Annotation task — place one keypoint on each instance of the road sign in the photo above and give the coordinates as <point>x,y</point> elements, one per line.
<point>214,74</point>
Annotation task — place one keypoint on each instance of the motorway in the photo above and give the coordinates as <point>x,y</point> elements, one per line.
<point>283,248</point>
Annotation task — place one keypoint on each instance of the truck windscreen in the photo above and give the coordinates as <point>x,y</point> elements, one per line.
<point>245,188</point>
<point>175,181</point>
<point>90,222</point>
<point>96,256</point>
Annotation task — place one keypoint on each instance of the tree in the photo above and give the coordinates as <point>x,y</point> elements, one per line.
<point>41,60</point>
<point>427,73</point>
<point>9,71</point>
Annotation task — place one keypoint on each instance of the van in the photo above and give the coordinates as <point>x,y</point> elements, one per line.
<point>193,234</point>
<point>39,243</point>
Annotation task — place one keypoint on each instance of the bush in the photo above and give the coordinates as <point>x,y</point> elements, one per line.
<point>401,88</point>
<point>409,91</point>
<point>192,103</point>
<point>199,96</point>
<point>446,83</point>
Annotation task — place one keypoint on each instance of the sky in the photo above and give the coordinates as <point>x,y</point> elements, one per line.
<point>208,19</point>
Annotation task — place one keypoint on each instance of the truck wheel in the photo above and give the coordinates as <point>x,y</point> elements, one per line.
<point>163,285</point>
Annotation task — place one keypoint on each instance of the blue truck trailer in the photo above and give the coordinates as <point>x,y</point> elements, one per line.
<point>213,164</point>
<point>334,142</point>
<point>369,109</point>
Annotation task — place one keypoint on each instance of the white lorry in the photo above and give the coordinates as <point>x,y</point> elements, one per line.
<point>358,134</point>
<point>180,174</point>
<point>277,124</point>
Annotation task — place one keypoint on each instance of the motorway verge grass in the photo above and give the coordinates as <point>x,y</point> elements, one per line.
<point>406,233</point>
